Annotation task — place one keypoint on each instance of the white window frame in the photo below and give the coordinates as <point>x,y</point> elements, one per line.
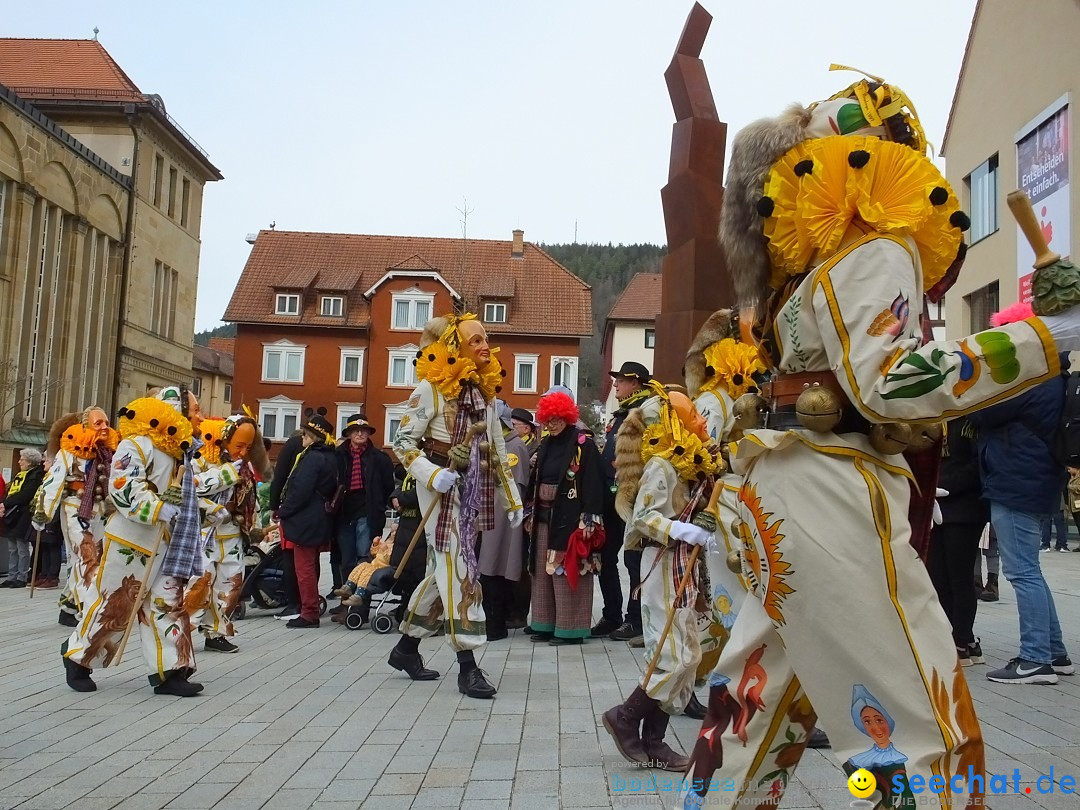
<point>494,308</point>
<point>227,395</point>
<point>526,360</point>
<point>280,406</point>
<point>573,363</point>
<point>344,411</point>
<point>412,297</point>
<point>284,348</point>
<point>348,353</point>
<point>408,354</point>
<point>332,299</point>
<point>982,185</point>
<point>284,298</point>
<point>393,412</point>
<point>650,332</point>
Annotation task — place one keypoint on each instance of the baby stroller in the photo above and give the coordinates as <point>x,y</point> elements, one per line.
<point>264,576</point>
<point>384,597</point>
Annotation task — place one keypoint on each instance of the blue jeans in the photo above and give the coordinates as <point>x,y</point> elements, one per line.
<point>354,540</point>
<point>1019,535</point>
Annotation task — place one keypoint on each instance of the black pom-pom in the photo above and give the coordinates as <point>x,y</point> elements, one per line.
<point>939,196</point>
<point>419,354</point>
<point>172,430</point>
<point>804,167</point>
<point>322,411</point>
<point>153,423</point>
<point>197,453</point>
<point>858,158</point>
<point>451,360</point>
<point>753,389</point>
<point>217,442</point>
<point>679,450</point>
<point>737,379</point>
<point>70,436</point>
<point>502,372</point>
<point>498,389</point>
<point>414,362</point>
<point>960,220</point>
<point>431,358</point>
<point>654,441</point>
<point>709,371</point>
<point>765,206</point>
<point>184,445</point>
<point>698,459</point>
<point>208,435</point>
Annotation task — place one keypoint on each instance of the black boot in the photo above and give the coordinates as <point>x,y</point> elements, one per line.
<point>694,710</point>
<point>78,676</point>
<point>67,619</point>
<point>411,664</point>
<point>990,592</point>
<point>177,685</point>
<point>818,739</point>
<point>623,723</point>
<point>470,680</point>
<point>660,754</point>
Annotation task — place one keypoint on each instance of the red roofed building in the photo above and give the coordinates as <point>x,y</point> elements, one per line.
<point>629,332</point>
<point>334,320</point>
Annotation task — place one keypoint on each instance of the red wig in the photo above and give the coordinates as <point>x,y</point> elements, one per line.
<point>557,405</point>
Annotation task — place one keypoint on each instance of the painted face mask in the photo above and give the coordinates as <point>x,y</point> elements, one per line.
<point>688,414</point>
<point>474,342</point>
<point>240,441</point>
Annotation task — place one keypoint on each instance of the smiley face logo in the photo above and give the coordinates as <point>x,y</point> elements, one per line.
<point>861,783</point>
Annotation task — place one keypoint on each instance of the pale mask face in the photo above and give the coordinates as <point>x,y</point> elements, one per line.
<point>194,413</point>
<point>474,342</point>
<point>98,421</point>
<point>240,442</point>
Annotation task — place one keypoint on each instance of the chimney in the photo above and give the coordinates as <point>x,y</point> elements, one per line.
<point>517,250</point>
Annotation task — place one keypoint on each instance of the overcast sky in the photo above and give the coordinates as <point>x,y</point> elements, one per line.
<point>548,115</point>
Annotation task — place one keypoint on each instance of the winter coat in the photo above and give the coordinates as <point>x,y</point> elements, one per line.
<point>587,487</point>
<point>377,470</point>
<point>1015,458</point>
<point>283,469</point>
<point>408,520</point>
<point>959,475</point>
<point>313,482</point>
<point>18,506</point>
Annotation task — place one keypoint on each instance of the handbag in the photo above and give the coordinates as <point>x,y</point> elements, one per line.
<point>12,515</point>
<point>333,503</point>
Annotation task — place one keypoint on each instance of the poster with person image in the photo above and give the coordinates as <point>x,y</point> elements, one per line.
<point>1042,172</point>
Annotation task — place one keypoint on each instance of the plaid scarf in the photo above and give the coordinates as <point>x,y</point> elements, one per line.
<point>97,468</point>
<point>476,486</point>
<point>680,555</point>
<point>183,558</point>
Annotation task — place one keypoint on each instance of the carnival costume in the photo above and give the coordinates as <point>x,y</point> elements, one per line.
<point>76,484</point>
<point>836,225</point>
<point>668,518</point>
<point>451,421</point>
<point>153,492</point>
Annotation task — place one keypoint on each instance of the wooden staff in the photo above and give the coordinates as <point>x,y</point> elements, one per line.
<point>714,499</point>
<point>416,536</point>
<point>33,568</point>
<point>1020,205</point>
<point>134,616</point>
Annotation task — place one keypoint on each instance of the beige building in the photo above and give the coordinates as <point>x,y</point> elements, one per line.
<point>630,329</point>
<point>1010,128</point>
<point>212,376</point>
<point>100,212</point>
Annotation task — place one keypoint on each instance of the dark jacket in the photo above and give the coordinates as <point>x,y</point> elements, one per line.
<point>303,509</point>
<point>587,483</point>
<point>283,468</point>
<point>1015,458</point>
<point>378,472</point>
<point>19,508</point>
<point>959,474</point>
<point>408,520</point>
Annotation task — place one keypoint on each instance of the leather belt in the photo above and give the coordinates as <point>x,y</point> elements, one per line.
<point>785,389</point>
<point>436,451</point>
<point>851,421</point>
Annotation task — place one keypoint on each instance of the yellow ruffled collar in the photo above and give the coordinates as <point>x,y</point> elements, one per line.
<point>683,450</point>
<point>161,423</point>
<point>81,441</point>
<point>211,435</point>
<point>822,187</point>
<point>448,371</point>
<point>731,365</point>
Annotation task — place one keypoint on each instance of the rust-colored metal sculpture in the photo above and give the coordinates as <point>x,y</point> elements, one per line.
<point>695,278</point>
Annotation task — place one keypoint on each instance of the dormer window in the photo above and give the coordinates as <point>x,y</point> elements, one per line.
<point>494,313</point>
<point>411,310</point>
<point>332,306</point>
<point>287,304</point>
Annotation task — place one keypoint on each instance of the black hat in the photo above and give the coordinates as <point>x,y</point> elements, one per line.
<point>357,422</point>
<point>522,415</point>
<point>632,370</point>
<point>317,425</point>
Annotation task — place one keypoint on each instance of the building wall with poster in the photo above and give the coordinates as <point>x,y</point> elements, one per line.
<point>1010,127</point>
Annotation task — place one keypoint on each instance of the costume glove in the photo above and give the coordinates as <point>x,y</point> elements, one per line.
<point>515,516</point>
<point>168,513</point>
<point>37,527</point>
<point>216,517</point>
<point>444,481</point>
<point>941,493</point>
<point>694,535</point>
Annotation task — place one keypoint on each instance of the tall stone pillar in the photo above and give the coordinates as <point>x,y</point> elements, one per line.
<point>695,279</point>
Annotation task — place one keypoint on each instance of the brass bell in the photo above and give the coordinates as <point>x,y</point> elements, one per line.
<point>734,562</point>
<point>748,410</point>
<point>485,465</point>
<point>485,448</point>
<point>818,409</point>
<point>923,437</point>
<point>890,438</point>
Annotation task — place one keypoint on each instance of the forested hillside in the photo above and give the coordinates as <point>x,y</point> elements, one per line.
<point>226,330</point>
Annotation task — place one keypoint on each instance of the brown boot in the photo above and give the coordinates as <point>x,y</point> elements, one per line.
<point>660,754</point>
<point>623,723</point>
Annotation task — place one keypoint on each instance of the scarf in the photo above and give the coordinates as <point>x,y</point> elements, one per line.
<point>97,469</point>
<point>631,402</point>
<point>476,486</point>
<point>183,558</point>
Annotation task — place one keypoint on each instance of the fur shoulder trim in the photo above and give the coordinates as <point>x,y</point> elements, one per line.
<point>753,152</point>
<point>715,329</point>
<point>629,465</point>
<point>56,432</point>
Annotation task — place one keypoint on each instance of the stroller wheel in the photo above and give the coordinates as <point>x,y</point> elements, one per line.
<point>322,605</point>
<point>354,621</point>
<point>382,624</point>
<point>239,612</point>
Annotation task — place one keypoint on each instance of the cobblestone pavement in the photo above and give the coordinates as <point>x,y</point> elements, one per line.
<point>315,718</point>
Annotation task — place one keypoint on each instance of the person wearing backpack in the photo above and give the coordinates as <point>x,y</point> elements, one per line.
<point>1022,479</point>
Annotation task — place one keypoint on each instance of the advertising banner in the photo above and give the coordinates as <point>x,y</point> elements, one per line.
<point>1042,168</point>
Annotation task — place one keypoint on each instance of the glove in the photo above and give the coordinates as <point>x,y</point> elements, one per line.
<point>38,527</point>
<point>216,517</point>
<point>694,535</point>
<point>1064,329</point>
<point>515,516</point>
<point>168,513</point>
<point>444,481</point>
<point>459,456</point>
<point>937,517</point>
